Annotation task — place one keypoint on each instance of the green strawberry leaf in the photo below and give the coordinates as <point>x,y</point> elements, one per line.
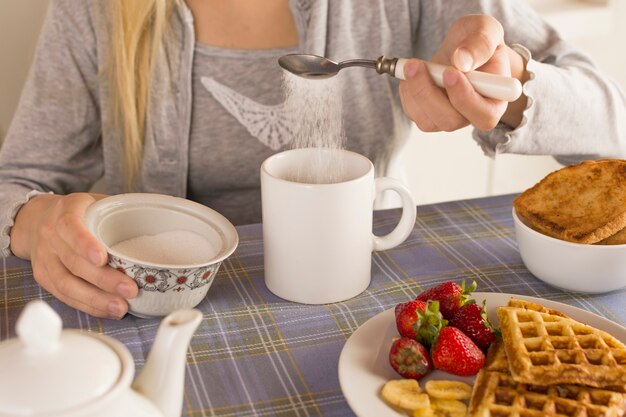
<point>466,292</point>
<point>429,323</point>
<point>486,322</point>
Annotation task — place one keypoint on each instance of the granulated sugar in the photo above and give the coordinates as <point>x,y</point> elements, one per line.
<point>316,107</point>
<point>176,247</point>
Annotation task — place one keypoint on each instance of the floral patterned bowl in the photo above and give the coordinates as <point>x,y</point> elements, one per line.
<point>163,287</point>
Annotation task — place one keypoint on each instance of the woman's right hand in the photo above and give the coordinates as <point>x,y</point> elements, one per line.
<point>67,260</point>
<point>473,42</point>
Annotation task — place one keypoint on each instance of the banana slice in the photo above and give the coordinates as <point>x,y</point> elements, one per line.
<point>406,394</point>
<point>448,408</point>
<point>448,390</point>
<point>424,412</point>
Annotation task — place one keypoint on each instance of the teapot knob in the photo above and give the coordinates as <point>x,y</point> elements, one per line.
<point>39,328</point>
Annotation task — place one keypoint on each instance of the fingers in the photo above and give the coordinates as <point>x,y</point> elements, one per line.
<point>484,113</point>
<point>425,103</point>
<point>472,41</point>
<point>64,263</point>
<point>77,293</point>
<point>434,109</point>
<point>104,278</point>
<point>71,228</point>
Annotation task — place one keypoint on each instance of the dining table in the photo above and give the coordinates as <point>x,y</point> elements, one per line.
<point>255,354</point>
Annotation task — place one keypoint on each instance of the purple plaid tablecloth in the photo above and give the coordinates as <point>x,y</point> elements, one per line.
<point>255,354</point>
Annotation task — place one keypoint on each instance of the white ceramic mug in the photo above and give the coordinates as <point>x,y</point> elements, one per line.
<point>317,237</point>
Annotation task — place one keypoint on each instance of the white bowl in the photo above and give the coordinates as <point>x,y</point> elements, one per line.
<point>163,287</point>
<point>571,266</point>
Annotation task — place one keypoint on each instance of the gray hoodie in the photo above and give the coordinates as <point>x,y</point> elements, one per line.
<point>60,140</point>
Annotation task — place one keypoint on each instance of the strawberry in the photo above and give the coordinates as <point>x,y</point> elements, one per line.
<point>418,320</point>
<point>406,317</point>
<point>472,320</point>
<point>451,296</point>
<point>409,358</point>
<point>455,353</point>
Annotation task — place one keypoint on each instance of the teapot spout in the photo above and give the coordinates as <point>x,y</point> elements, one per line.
<point>162,380</point>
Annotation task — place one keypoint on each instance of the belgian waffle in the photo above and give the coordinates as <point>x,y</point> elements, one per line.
<point>529,305</point>
<point>546,349</point>
<point>496,393</point>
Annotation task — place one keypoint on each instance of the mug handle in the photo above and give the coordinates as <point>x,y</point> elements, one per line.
<point>407,221</point>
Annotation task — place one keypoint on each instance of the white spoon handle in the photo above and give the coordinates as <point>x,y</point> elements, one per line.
<point>488,85</point>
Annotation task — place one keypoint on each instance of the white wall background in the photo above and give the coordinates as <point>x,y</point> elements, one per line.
<point>438,166</point>
<point>20,22</point>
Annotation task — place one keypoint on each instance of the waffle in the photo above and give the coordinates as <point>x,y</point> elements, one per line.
<point>529,305</point>
<point>546,349</point>
<point>496,393</point>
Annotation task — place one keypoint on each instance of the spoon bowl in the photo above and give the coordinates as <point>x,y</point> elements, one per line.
<point>309,66</point>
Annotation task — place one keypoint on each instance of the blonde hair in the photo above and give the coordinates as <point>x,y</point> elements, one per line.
<point>138,29</point>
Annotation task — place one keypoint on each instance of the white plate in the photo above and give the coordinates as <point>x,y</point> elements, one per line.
<point>364,362</point>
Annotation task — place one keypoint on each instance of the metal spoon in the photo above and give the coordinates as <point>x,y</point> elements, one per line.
<point>317,67</point>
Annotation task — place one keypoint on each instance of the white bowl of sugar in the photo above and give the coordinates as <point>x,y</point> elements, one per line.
<point>170,246</point>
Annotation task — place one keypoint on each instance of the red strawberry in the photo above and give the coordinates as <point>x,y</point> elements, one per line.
<point>472,320</point>
<point>451,296</point>
<point>409,358</point>
<point>406,317</point>
<point>455,353</point>
<point>419,320</point>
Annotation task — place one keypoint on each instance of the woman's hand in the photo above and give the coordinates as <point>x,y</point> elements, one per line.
<point>474,42</point>
<point>67,259</point>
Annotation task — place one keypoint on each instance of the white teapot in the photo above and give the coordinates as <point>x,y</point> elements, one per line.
<point>47,371</point>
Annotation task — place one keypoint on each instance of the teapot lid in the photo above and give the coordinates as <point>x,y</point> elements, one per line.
<point>47,370</point>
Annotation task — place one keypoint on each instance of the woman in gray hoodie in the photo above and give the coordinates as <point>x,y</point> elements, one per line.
<point>166,96</point>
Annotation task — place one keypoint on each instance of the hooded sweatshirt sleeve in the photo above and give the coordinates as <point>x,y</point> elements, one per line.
<point>53,143</point>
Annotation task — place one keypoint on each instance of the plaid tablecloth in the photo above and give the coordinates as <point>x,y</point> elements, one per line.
<point>257,355</point>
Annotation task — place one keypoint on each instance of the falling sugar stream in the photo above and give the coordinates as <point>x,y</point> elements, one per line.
<point>316,107</point>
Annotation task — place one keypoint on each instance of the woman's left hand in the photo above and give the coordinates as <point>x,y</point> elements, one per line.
<point>474,42</point>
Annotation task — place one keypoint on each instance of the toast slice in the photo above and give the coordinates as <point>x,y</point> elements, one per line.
<point>583,203</point>
<point>618,238</point>
<point>546,349</point>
